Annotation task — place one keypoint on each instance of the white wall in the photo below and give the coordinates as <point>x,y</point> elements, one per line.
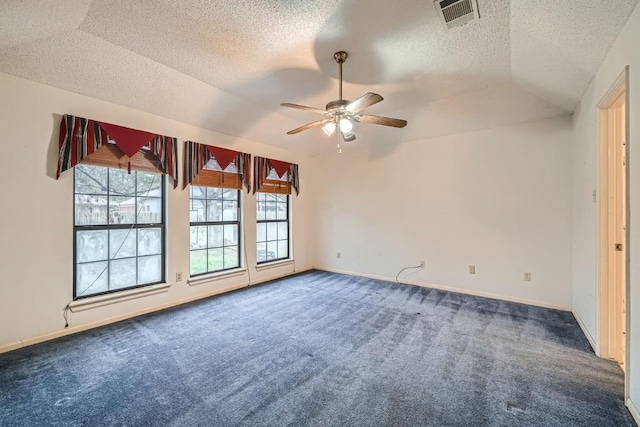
<point>498,199</point>
<point>36,258</point>
<point>625,51</point>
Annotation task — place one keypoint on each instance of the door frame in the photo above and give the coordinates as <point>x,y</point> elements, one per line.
<point>620,86</point>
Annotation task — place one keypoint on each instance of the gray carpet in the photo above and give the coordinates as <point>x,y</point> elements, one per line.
<point>320,349</point>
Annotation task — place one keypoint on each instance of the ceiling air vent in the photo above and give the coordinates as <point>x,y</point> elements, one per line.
<point>457,12</point>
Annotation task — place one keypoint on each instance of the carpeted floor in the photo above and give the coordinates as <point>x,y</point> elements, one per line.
<point>320,349</point>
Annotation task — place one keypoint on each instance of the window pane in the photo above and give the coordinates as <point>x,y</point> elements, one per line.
<point>115,253</point>
<point>91,278</point>
<point>149,184</point>
<point>90,210</point>
<point>214,193</point>
<point>231,235</point>
<point>215,259</point>
<point>214,210</point>
<point>91,246</point>
<point>274,175</point>
<point>231,257</point>
<point>122,243</point>
<point>215,236</point>
<point>149,269</point>
<point>197,210</point>
<point>230,212</point>
<point>198,262</point>
<point>149,241</point>
<point>260,197</point>
<point>198,192</point>
<point>230,194</point>
<point>269,197</point>
<point>213,165</point>
<point>281,211</point>
<point>122,273</point>
<point>90,179</point>
<point>283,230</point>
<point>149,210</point>
<point>270,209</point>
<point>231,168</point>
<point>283,249</point>
<point>272,230</point>
<point>261,253</point>
<point>282,198</point>
<point>261,214</point>
<point>262,232</point>
<point>272,250</point>
<point>198,239</point>
<point>122,210</point>
<point>122,183</point>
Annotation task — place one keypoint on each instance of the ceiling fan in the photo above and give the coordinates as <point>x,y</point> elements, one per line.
<point>342,114</point>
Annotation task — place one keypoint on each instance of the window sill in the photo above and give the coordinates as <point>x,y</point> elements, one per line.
<point>274,264</point>
<point>102,300</point>
<point>198,280</point>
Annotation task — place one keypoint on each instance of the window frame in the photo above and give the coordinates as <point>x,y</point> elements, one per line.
<point>107,227</point>
<point>237,222</point>
<point>276,221</point>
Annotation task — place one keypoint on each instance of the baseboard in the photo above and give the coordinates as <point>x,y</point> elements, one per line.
<point>452,289</point>
<point>80,328</point>
<point>634,411</point>
<point>585,331</point>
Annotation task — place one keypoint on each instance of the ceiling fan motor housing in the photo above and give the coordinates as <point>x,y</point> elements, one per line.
<point>338,104</point>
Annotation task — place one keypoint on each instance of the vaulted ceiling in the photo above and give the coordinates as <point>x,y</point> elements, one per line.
<point>226,65</point>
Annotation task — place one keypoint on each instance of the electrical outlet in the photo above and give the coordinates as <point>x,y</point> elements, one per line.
<point>527,277</point>
<point>178,277</point>
<point>338,254</point>
<point>472,269</point>
<point>421,264</point>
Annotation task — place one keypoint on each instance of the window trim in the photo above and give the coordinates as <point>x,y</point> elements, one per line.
<point>237,222</point>
<point>161,225</point>
<point>265,221</point>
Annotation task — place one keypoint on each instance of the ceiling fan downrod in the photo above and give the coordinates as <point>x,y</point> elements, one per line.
<point>340,58</point>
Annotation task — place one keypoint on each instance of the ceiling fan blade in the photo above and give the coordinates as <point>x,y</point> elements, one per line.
<point>303,107</point>
<point>385,121</point>
<point>365,101</point>
<point>309,126</point>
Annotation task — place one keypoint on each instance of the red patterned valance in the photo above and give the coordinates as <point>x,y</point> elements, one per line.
<point>80,138</point>
<point>262,167</point>
<point>196,156</point>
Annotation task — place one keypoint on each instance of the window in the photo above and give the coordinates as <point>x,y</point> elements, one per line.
<point>273,227</point>
<point>118,229</point>
<point>215,229</point>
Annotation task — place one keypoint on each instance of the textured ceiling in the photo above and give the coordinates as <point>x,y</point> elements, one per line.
<point>226,65</point>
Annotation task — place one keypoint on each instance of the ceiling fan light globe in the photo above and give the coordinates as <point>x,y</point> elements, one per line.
<point>346,126</point>
<point>329,128</point>
<point>348,136</point>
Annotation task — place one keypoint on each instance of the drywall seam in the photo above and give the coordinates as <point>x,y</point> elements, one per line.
<point>634,411</point>
<point>452,289</point>
<point>585,331</point>
<point>80,328</point>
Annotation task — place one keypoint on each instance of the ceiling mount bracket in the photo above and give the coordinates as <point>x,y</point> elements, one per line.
<point>340,57</point>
